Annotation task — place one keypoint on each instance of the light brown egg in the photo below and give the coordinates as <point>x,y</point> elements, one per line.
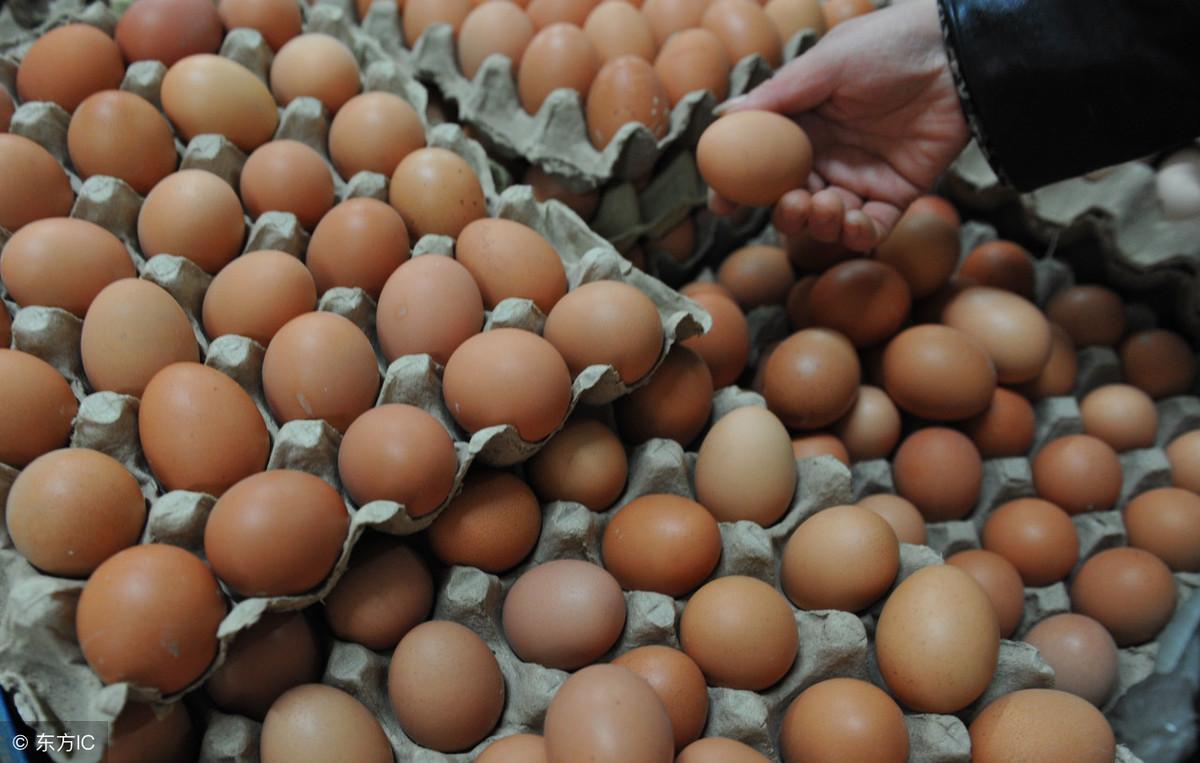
<point>38,411</point>
<point>1184,455</point>
<point>359,243</point>
<point>543,13</point>
<point>757,275</point>
<point>812,378</point>
<point>866,300</point>
<point>193,214</point>
<point>939,373</point>
<point>1161,363</point>
<point>725,348</point>
<point>511,260</point>
<point>493,524</point>
<point>790,17</point>
<point>1058,376</point>
<point>1000,580</point>
<point>584,463</point>
<point>719,750</point>
<point>900,513</point>
<point>563,614</point>
<point>619,29</point>
<point>753,157</point>
<point>428,305</point>
<point>871,428</point>
<point>1041,724</point>
<point>276,654</point>
<point>168,30</point>
<point>199,430</point>
<point>924,248</point>
<point>842,557</point>
<point>35,186</point>
<point>287,176</point>
<point>277,20</point>
<point>1002,265</point>
<point>666,17</point>
<point>518,748</point>
<point>419,15</point>
<point>1078,473</point>
<point>314,723</point>
<point>746,469</point>
<point>1120,414</point>
<point>820,444</point>
<point>1013,332</point>
<point>71,509</point>
<point>675,404</point>
<point>679,684</point>
<point>546,187</point>
<point>121,135</point>
<point>1091,315</point>
<point>1005,429</point>
<point>626,89</point>
<point>384,592</point>
<point>436,191</point>
<point>839,11</point>
<point>558,56</point>
<point>940,471</point>
<point>140,733</point>
<point>67,64</point>
<point>149,615</point>
<point>1166,522</point>
<point>373,132</point>
<point>445,686</point>
<point>132,330</point>
<point>607,323</point>
<point>608,714</point>
<point>843,719</point>
<point>493,29</point>
<point>62,262</point>
<point>320,366</point>
<point>937,640</point>
<point>318,66</point>
<point>210,94</point>
<point>1081,652</point>
<point>1036,536</point>
<point>663,543</point>
<point>256,294</point>
<point>744,29</point>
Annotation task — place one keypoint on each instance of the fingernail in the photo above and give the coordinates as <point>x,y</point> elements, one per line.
<point>729,105</point>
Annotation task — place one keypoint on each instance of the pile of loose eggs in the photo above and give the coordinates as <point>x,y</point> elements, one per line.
<point>736,558</point>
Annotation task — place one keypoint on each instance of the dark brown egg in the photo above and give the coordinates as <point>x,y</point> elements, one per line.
<point>725,348</point>
<point>67,64</point>
<point>607,323</point>
<point>675,404</point>
<point>940,471</point>
<point>384,592</point>
<point>1160,363</point>
<point>1000,264</point>
<point>1005,429</point>
<point>812,378</point>
<point>757,275</point>
<point>584,463</point>
<point>1091,315</point>
<point>923,248</point>
<point>1058,375</point>
<point>359,243</point>
<point>663,543</point>
<point>168,30</point>
<point>548,187</point>
<point>140,733</point>
<point>1036,536</point>
<point>493,524</point>
<point>1078,473</point>
<point>275,654</point>
<point>937,372</point>
<point>866,300</point>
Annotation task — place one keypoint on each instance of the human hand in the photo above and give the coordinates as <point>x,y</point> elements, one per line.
<point>879,104</point>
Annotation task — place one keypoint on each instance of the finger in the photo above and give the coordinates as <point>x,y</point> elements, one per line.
<point>884,215</point>
<point>859,233</point>
<point>802,85</point>
<point>790,216</point>
<point>815,183</point>
<point>719,205</point>
<point>850,200</point>
<point>825,219</point>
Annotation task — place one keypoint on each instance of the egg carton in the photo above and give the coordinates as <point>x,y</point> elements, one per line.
<point>23,21</point>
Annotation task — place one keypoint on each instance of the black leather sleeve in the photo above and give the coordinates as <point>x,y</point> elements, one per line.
<point>1055,88</point>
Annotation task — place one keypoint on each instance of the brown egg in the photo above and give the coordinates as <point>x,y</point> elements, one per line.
<point>277,653</point>
<point>511,260</point>
<point>753,157</point>
<point>666,17</point>
<point>663,543</point>
<point>436,191</point>
<point>838,11</point>
<point>277,20</point>
<point>584,463</point>
<point>193,214</point>
<point>675,404</point>
<point>757,275</point>
<point>679,684</point>
<point>121,135</point>
<point>558,56</point>
<point>812,256</point>
<point>871,429</point>
<point>1082,654</point>
<point>607,323</point>
<point>1166,522</point>
<point>493,524</point>
<point>71,509</point>
<point>140,733</point>
<point>546,12</point>
<point>256,294</point>
<point>619,29</point>
<point>1078,473</point>
<point>725,348</point>
<point>546,187</point>
<point>719,750</point>
<point>924,248</point>
<point>1041,724</point>
<point>287,176</point>
<point>1091,315</point>
<point>5,327</point>
<point>1159,362</point>
<point>626,89</point>
<point>1000,264</point>
<point>6,109</point>
<point>132,330</point>
<point>493,29</point>
<point>843,557</point>
<point>679,243</point>
<point>940,471</point>
<point>429,305</point>
<point>1036,536</point>
<point>318,66</point>
<point>419,15</point>
<point>812,378</point>
<point>939,373</point>
<point>608,714</point>
<point>1184,456</point>
<point>359,243</point>
<point>900,513</point>
<point>199,430</point>
<point>1120,414</point>
<point>999,580</point>
<point>168,30</point>
<point>149,615</point>
<point>62,262</point>
<point>746,469</point>
<point>866,300</point>
<point>445,686</point>
<point>384,592</point>
<point>937,640</point>
<point>35,186</point>
<point>820,445</point>
<point>843,719</point>
<point>700,288</point>
<point>791,17</point>
<point>211,94</point>
<point>744,29</point>
<point>518,748</point>
<point>38,410</point>
<point>1013,332</point>
<point>67,64</point>
<point>314,723</point>
<point>320,366</point>
<point>564,614</point>
<point>1005,429</point>
<point>740,631</point>
<point>373,132</point>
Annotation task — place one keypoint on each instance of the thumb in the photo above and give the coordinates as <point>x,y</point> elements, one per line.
<point>802,85</point>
